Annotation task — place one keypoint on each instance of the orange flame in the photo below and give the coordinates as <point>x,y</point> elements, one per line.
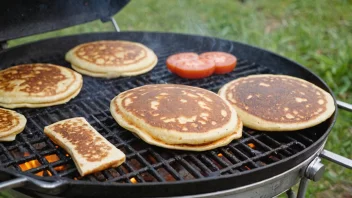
<point>133,180</point>
<point>53,158</point>
<point>220,155</point>
<point>35,163</point>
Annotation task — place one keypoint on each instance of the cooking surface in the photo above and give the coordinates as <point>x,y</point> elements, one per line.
<point>145,163</point>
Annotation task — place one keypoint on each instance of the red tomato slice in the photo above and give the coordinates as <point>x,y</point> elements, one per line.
<point>224,62</point>
<point>173,59</point>
<point>194,68</point>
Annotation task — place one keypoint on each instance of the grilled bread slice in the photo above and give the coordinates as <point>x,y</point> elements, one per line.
<point>11,123</point>
<point>90,151</point>
<point>278,102</point>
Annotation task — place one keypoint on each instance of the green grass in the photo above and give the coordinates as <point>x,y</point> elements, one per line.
<point>315,33</point>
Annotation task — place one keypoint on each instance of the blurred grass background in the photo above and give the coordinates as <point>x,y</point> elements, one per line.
<point>315,33</point>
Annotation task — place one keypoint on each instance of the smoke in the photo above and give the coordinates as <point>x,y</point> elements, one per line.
<point>194,24</point>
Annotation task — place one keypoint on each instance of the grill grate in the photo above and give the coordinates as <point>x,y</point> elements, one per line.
<point>144,163</point>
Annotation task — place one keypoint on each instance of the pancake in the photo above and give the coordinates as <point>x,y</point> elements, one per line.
<point>46,104</point>
<point>278,102</point>
<point>8,138</point>
<point>113,74</point>
<point>90,151</point>
<point>11,123</point>
<point>186,147</point>
<point>111,59</point>
<point>176,115</point>
<point>38,84</point>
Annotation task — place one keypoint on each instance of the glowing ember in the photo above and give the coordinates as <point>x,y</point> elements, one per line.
<point>220,155</point>
<point>54,158</point>
<point>133,180</point>
<point>35,163</point>
<point>42,173</point>
<point>67,155</point>
<point>29,165</point>
<point>32,164</point>
<point>251,145</point>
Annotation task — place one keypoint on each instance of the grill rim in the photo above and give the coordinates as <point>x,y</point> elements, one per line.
<point>300,156</point>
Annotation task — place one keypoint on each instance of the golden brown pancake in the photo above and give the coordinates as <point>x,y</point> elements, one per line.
<point>113,74</point>
<point>37,84</point>
<point>11,123</point>
<point>90,151</point>
<point>111,59</point>
<point>278,102</point>
<point>43,104</point>
<point>186,147</point>
<point>175,115</point>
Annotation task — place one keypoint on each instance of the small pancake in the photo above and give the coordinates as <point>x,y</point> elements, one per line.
<point>90,151</point>
<point>11,123</point>
<point>113,74</point>
<point>175,114</point>
<point>38,83</point>
<point>111,58</point>
<point>278,102</point>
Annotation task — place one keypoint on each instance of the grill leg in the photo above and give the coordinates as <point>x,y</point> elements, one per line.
<point>302,187</point>
<point>115,24</point>
<point>290,193</point>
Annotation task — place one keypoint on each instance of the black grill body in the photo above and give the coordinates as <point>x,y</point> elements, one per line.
<point>157,171</point>
<point>21,18</point>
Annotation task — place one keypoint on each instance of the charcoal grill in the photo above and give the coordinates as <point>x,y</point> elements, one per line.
<point>260,164</point>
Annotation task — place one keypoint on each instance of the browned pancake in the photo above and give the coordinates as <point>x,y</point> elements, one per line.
<point>164,106</point>
<point>32,78</point>
<point>190,147</point>
<point>11,122</point>
<point>278,99</point>
<point>175,114</point>
<point>37,83</point>
<point>107,53</point>
<point>111,59</point>
<point>7,120</point>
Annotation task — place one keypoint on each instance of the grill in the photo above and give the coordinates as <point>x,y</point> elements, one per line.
<point>260,164</point>
<point>145,163</point>
<point>239,163</point>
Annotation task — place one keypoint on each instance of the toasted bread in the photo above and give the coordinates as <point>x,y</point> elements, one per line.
<point>90,151</point>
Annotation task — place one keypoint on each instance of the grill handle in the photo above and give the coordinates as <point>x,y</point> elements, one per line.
<point>338,159</point>
<point>13,180</point>
<point>13,183</point>
<point>344,105</point>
